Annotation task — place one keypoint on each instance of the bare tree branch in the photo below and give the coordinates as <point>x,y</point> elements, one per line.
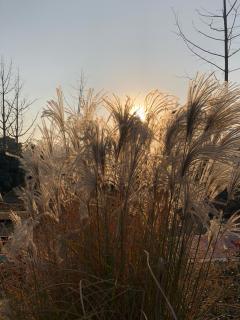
<point>232,27</point>
<point>232,7</point>
<point>206,35</point>
<point>208,15</point>
<point>234,52</point>
<point>225,24</point>
<point>23,133</point>
<point>203,58</point>
<point>235,36</point>
<point>234,70</point>
<point>214,28</point>
<point>182,35</point>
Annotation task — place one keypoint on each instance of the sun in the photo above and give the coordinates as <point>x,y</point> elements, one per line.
<point>140,112</point>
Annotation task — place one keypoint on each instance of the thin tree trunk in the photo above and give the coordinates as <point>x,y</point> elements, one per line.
<point>4,119</point>
<point>226,69</point>
<point>17,118</point>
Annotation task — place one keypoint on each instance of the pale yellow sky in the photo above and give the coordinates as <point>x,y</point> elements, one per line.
<point>126,47</point>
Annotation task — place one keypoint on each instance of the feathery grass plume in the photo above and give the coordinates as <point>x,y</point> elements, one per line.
<point>103,192</point>
<point>49,135</point>
<point>56,113</point>
<point>22,239</point>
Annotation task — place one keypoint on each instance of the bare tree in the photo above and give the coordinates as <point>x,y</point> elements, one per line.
<point>81,93</point>
<point>21,106</point>
<point>222,29</point>
<point>13,105</point>
<point>7,99</point>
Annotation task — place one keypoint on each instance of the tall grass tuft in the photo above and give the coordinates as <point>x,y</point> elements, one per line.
<point>118,207</point>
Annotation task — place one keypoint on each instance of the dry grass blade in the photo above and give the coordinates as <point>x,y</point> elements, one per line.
<point>160,288</point>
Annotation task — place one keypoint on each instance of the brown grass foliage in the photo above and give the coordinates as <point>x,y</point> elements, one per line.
<point>116,204</point>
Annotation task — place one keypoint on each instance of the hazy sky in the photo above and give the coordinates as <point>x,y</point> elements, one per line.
<point>125,46</point>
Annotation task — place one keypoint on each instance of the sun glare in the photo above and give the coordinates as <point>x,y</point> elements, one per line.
<point>140,112</point>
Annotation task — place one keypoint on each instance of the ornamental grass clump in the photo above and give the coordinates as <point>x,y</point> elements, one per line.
<point>118,207</point>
